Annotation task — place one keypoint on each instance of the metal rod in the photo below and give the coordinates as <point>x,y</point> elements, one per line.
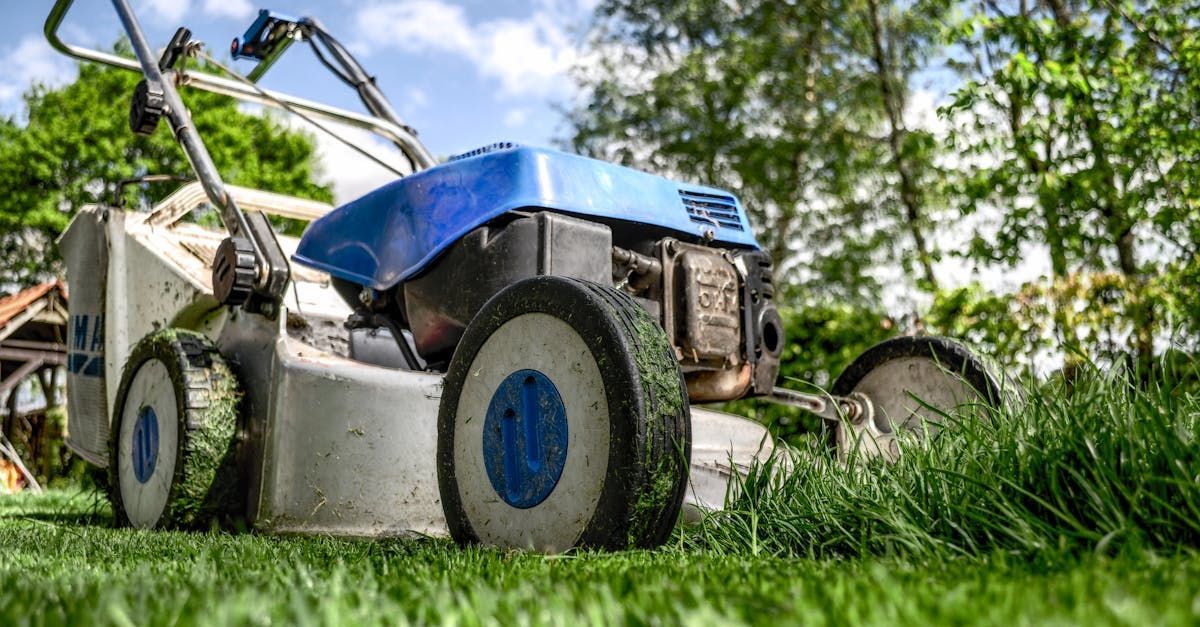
<point>177,115</point>
<point>32,356</point>
<point>393,132</point>
<point>10,451</point>
<point>374,99</point>
<point>832,408</point>
<point>53,347</point>
<point>14,379</point>
<point>271,264</point>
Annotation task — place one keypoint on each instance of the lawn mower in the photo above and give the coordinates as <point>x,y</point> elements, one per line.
<point>510,346</point>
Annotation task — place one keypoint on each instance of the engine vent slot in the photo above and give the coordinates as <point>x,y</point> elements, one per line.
<point>496,147</point>
<point>712,209</point>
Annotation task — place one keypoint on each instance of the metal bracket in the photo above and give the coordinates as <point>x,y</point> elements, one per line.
<point>266,40</point>
<point>363,319</point>
<point>853,408</point>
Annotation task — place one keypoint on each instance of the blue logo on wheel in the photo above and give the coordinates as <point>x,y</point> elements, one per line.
<point>525,438</point>
<point>145,444</point>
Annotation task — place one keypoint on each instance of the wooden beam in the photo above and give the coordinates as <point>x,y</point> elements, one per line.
<point>10,382</point>
<point>21,354</point>
<point>53,347</point>
<point>30,312</point>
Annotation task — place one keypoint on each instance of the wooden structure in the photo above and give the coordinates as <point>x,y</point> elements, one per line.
<point>33,336</point>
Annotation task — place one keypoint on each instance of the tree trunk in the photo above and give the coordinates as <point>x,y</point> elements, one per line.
<point>10,418</point>
<point>910,196</point>
<point>48,378</point>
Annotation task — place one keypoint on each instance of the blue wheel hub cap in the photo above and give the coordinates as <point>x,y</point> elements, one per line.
<point>145,444</point>
<point>525,438</point>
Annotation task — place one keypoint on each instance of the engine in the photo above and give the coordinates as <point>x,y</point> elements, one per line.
<point>716,304</point>
<point>421,255</point>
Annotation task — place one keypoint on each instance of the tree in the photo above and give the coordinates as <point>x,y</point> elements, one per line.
<point>76,146</point>
<point>1076,123</point>
<point>796,107</point>
<point>1083,118</point>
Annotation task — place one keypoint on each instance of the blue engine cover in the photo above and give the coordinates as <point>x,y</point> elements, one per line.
<point>392,233</point>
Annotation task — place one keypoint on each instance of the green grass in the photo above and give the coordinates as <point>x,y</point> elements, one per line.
<point>1095,467</point>
<point>1076,510</point>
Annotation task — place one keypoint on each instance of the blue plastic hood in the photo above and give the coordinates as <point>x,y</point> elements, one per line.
<point>392,233</point>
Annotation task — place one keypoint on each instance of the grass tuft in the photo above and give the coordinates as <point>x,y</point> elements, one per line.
<point>1096,466</point>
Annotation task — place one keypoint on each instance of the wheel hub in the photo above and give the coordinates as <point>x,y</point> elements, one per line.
<point>145,444</point>
<point>525,438</point>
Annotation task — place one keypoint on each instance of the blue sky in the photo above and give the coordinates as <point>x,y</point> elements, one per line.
<point>463,72</point>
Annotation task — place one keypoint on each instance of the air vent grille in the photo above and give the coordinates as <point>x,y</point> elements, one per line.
<point>712,209</point>
<point>496,147</point>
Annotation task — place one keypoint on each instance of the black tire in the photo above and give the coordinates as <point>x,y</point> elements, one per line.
<point>649,422</point>
<point>910,381</point>
<point>952,355</point>
<point>204,486</point>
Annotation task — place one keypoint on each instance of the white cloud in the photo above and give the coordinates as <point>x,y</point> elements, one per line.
<point>417,26</point>
<point>169,11</point>
<point>528,57</point>
<point>350,173</point>
<point>235,9</point>
<point>415,98</point>
<point>516,117</point>
<point>32,60</point>
<point>175,12</point>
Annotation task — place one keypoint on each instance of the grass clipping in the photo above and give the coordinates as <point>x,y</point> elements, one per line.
<point>1095,466</point>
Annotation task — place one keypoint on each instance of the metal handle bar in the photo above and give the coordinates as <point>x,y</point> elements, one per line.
<point>270,268</point>
<point>390,131</point>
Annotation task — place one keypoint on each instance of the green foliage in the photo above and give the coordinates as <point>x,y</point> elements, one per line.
<point>75,146</point>
<point>1079,120</point>
<point>1010,327</point>
<point>788,105</point>
<point>1096,307</point>
<point>38,438</point>
<point>1073,134</point>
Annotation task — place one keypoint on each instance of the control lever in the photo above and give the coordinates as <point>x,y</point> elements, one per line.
<point>178,46</point>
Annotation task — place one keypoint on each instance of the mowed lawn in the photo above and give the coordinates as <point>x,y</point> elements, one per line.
<point>62,564</point>
<point>1081,507</point>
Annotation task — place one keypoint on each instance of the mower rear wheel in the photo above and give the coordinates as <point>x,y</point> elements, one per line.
<point>173,446</point>
<point>564,422</point>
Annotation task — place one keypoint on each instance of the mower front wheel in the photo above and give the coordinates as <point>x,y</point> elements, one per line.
<point>173,459</point>
<point>912,384</point>
<point>564,422</point>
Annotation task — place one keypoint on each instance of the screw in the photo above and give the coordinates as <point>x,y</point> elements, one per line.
<point>853,412</point>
